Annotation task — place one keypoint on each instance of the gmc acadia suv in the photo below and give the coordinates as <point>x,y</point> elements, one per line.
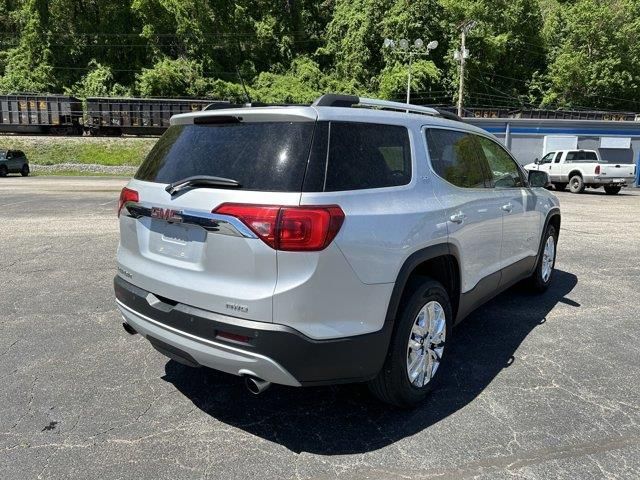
<point>337,242</point>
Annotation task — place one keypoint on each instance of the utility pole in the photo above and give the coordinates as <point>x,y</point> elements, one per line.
<point>461,55</point>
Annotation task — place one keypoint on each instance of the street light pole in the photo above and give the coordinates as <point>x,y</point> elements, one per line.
<point>409,79</point>
<point>418,48</point>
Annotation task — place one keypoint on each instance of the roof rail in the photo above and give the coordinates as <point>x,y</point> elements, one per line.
<point>336,100</point>
<point>448,115</point>
<point>333,100</point>
<point>226,105</point>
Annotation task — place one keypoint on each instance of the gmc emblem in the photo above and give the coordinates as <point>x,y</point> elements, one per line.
<point>167,214</point>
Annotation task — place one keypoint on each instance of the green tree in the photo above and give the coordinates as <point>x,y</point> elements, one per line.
<point>506,48</point>
<point>26,66</point>
<point>168,77</point>
<point>567,53</point>
<point>98,82</point>
<point>594,55</point>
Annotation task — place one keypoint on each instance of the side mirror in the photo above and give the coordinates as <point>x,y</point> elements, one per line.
<point>538,178</point>
<point>537,161</point>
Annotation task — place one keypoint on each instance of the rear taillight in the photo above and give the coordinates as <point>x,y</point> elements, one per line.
<point>597,169</point>
<point>289,228</point>
<point>127,195</point>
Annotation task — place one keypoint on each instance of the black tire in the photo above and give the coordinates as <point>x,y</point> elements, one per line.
<point>25,170</point>
<point>612,190</point>
<point>3,170</point>
<point>576,184</point>
<point>560,187</point>
<point>537,280</point>
<point>392,385</point>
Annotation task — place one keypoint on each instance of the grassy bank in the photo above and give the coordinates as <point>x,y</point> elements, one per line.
<point>45,150</point>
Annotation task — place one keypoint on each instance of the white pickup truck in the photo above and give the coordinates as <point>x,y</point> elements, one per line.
<point>584,168</point>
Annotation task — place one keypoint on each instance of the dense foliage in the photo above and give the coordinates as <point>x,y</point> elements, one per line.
<point>538,53</point>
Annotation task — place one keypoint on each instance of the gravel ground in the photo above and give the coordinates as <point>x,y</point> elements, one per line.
<point>539,386</point>
<point>124,170</point>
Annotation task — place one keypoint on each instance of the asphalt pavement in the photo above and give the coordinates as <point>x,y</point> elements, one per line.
<point>538,387</point>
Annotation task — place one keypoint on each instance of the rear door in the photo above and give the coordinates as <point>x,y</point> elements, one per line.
<point>21,159</point>
<point>176,248</point>
<point>12,161</point>
<point>473,210</point>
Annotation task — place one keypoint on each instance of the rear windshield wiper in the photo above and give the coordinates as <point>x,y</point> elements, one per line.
<point>201,181</point>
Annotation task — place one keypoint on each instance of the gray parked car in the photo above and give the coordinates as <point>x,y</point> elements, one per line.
<point>13,161</point>
<point>337,242</point>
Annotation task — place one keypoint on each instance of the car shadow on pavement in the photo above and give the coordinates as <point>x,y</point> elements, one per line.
<point>346,419</point>
<point>625,192</point>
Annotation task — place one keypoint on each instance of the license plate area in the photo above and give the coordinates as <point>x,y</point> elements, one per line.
<point>177,241</point>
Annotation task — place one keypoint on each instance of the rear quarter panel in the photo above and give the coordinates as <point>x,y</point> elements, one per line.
<point>382,228</point>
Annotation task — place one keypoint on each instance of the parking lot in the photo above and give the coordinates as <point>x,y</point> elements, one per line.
<point>538,387</point>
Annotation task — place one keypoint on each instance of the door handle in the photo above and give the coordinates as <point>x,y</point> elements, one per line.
<point>508,207</point>
<point>458,217</point>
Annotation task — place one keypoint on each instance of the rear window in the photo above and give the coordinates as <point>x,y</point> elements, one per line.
<point>267,156</point>
<point>367,155</point>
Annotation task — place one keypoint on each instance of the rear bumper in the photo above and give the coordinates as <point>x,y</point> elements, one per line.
<point>613,181</point>
<point>273,352</point>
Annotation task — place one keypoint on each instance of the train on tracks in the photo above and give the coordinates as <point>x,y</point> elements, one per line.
<point>107,116</point>
<point>66,115</point>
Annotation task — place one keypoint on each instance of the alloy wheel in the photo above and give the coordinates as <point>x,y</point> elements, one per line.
<point>426,344</point>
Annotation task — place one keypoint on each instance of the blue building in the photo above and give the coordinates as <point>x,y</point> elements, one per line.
<point>531,138</point>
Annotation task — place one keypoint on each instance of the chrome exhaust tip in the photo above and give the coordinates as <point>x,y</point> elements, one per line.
<point>256,385</point>
<point>129,329</point>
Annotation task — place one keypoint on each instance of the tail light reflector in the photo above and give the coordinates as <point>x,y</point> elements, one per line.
<point>289,228</point>
<point>233,336</point>
<point>597,169</point>
<point>127,195</point>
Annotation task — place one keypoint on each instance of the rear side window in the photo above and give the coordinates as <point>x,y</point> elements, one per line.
<point>367,155</point>
<point>268,156</point>
<point>458,158</point>
<point>581,157</point>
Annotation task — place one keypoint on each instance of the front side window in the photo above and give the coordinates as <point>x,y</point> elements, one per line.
<point>457,157</point>
<point>367,155</point>
<point>547,158</point>
<point>558,157</point>
<point>504,171</point>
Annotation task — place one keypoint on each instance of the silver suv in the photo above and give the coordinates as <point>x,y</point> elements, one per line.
<point>337,242</point>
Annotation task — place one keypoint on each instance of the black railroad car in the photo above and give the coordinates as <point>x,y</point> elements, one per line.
<point>45,114</point>
<point>136,116</point>
<point>574,115</point>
